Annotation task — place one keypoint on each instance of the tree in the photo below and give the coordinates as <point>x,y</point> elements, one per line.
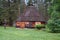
<point>54,21</point>
<point>9,10</point>
<point>30,2</point>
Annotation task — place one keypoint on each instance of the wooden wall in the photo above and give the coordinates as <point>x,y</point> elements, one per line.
<point>24,24</point>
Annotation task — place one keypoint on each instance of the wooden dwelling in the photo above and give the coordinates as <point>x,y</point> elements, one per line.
<point>30,18</point>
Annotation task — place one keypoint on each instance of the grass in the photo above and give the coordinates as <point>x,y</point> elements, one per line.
<point>27,34</point>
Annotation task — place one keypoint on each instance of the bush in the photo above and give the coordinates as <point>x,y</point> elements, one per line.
<point>53,25</point>
<point>39,26</point>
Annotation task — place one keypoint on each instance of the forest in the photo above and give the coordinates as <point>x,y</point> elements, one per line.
<point>29,19</point>
<point>10,10</point>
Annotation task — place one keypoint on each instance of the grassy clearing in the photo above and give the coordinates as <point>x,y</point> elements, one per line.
<point>27,34</point>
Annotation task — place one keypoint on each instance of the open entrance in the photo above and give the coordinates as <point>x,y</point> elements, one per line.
<point>29,24</point>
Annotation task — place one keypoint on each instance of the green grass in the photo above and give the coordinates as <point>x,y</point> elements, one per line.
<point>27,34</point>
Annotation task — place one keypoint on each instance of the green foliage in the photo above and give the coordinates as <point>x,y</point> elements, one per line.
<point>29,2</point>
<point>50,26</point>
<point>53,24</point>
<point>22,7</point>
<point>39,26</point>
<point>8,10</point>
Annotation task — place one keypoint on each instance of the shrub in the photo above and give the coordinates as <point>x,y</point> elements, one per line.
<point>53,25</point>
<point>39,26</point>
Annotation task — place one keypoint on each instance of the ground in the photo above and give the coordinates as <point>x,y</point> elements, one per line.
<point>27,34</point>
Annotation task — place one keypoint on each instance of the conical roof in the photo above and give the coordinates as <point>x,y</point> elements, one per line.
<point>31,14</point>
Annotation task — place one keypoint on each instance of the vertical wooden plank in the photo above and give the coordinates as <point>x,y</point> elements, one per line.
<point>17,24</point>
<point>33,24</point>
<point>22,24</point>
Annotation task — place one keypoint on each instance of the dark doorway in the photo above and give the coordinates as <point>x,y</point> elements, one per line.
<point>30,25</point>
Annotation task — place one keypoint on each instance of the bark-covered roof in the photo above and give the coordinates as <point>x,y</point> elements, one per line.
<point>31,14</point>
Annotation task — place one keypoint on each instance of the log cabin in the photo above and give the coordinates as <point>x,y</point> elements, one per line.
<point>30,18</point>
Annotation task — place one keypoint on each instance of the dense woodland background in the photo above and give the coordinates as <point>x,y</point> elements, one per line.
<point>10,10</point>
